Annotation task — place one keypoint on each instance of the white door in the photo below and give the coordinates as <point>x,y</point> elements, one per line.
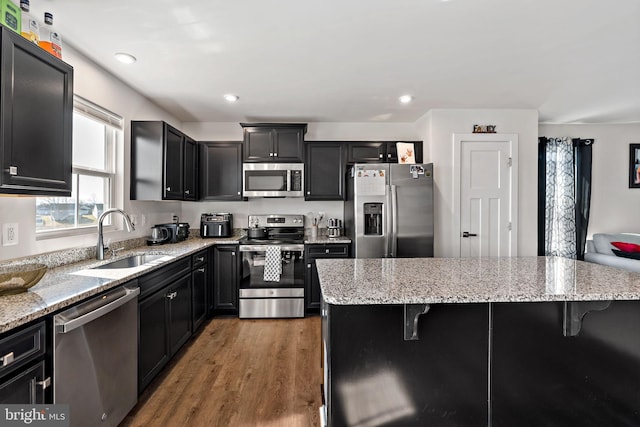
<point>487,195</point>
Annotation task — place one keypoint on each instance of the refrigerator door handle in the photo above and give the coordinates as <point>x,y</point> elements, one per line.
<point>394,221</point>
<point>388,223</point>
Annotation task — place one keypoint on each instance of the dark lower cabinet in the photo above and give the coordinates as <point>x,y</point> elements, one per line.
<point>200,278</point>
<point>221,171</point>
<point>24,366</point>
<point>226,279</point>
<point>324,169</point>
<point>26,386</point>
<point>542,378</point>
<point>312,283</point>
<point>165,317</point>
<point>374,377</point>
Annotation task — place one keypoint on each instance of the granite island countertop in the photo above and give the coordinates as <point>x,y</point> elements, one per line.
<point>67,284</point>
<point>471,280</point>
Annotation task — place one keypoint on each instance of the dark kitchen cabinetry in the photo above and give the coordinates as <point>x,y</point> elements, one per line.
<point>164,162</point>
<point>312,284</point>
<point>200,291</point>
<point>221,171</point>
<point>273,142</point>
<point>226,279</point>
<point>378,152</point>
<point>324,169</point>
<point>542,377</point>
<point>441,379</point>
<point>164,317</point>
<point>23,366</point>
<point>36,107</point>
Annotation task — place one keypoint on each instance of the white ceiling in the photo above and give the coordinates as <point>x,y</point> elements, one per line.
<point>349,60</point>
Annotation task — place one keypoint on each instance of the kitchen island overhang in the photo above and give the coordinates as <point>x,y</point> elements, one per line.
<point>489,341</point>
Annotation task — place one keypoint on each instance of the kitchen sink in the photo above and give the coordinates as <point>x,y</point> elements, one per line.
<point>131,261</point>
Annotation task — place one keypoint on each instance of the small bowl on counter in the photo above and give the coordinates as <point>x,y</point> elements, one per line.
<point>15,279</point>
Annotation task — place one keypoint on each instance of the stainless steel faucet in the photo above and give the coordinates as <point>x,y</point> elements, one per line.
<point>127,222</point>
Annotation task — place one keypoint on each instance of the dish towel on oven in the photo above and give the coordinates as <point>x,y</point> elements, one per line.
<point>272,264</point>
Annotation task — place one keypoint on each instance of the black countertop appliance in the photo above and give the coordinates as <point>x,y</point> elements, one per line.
<point>216,225</point>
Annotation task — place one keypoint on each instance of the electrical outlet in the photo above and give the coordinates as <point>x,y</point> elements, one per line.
<point>10,234</point>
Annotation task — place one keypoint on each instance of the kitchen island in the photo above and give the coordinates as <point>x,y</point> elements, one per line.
<point>527,341</point>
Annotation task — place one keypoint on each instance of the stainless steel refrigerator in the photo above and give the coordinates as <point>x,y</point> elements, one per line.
<point>389,210</point>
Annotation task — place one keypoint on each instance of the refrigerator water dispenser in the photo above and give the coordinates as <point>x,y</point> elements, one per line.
<point>372,219</point>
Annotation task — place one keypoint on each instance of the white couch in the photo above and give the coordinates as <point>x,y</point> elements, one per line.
<point>599,250</point>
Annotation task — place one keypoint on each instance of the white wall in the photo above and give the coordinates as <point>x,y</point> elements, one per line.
<point>212,131</point>
<point>614,206</point>
<point>95,84</point>
<point>437,128</point>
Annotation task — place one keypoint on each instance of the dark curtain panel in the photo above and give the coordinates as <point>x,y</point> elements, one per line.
<point>582,156</point>
<point>582,168</point>
<point>542,192</point>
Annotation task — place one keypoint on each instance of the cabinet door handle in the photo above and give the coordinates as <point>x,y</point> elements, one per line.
<point>7,359</point>
<point>44,383</point>
<point>326,251</point>
<point>308,192</point>
<point>238,193</point>
<point>200,258</point>
<point>270,154</point>
<point>13,170</point>
<point>389,156</point>
<point>233,253</point>
<point>168,188</point>
<point>275,154</point>
<point>308,265</point>
<point>200,270</point>
<point>380,156</point>
<point>186,191</point>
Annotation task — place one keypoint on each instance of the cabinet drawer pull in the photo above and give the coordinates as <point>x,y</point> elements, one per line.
<point>172,295</point>
<point>308,265</point>
<point>13,170</point>
<point>200,258</point>
<point>326,251</point>
<point>201,270</point>
<point>44,383</point>
<point>380,156</point>
<point>270,154</point>
<point>275,154</point>
<point>7,359</point>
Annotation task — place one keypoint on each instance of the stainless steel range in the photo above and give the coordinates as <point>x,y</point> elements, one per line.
<point>272,283</point>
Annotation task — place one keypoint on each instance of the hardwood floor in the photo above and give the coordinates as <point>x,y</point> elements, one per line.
<point>239,373</point>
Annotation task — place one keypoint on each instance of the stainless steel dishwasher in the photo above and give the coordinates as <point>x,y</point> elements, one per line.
<point>95,359</point>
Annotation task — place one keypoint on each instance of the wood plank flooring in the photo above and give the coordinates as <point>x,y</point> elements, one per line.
<point>239,373</point>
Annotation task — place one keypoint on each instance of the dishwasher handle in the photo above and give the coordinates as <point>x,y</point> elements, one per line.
<point>70,324</point>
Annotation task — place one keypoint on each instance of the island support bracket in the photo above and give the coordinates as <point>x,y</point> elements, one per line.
<point>412,313</point>
<point>574,312</point>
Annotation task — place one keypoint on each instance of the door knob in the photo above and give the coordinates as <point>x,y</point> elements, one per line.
<point>467,234</point>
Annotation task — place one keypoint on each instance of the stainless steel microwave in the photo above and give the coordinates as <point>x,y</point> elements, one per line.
<point>273,180</point>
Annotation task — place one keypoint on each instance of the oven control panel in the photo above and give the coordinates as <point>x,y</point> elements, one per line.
<point>276,221</point>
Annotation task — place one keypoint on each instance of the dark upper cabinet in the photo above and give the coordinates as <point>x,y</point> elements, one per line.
<point>273,142</point>
<point>324,170</point>
<point>190,173</point>
<point>221,171</point>
<point>226,278</point>
<point>378,152</point>
<point>36,107</point>
<point>163,162</point>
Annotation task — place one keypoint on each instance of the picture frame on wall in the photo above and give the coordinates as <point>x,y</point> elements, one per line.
<point>634,165</point>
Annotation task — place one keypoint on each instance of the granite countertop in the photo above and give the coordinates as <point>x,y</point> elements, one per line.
<point>67,284</point>
<point>469,280</point>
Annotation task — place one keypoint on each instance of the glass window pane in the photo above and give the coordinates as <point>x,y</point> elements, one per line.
<point>91,200</point>
<point>88,143</point>
<point>55,213</point>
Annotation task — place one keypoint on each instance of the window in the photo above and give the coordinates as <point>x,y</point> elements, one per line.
<point>95,134</point>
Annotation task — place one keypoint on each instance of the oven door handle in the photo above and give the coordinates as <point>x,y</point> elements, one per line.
<point>263,248</point>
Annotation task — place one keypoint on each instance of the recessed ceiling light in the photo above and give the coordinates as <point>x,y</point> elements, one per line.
<point>405,99</point>
<point>125,58</point>
<point>231,98</point>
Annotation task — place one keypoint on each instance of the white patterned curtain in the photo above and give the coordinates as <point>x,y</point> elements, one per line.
<point>560,215</point>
